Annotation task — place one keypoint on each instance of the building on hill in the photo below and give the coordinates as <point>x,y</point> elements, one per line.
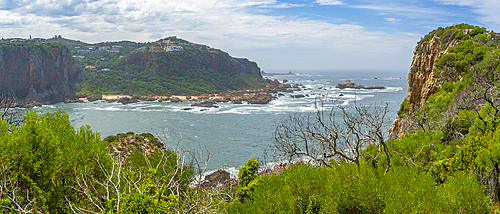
<point>155,48</point>
<point>169,48</point>
<point>91,68</point>
<point>83,51</point>
<point>116,47</point>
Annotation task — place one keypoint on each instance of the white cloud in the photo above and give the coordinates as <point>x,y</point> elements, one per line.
<point>487,9</point>
<point>393,20</point>
<point>329,2</point>
<point>232,25</point>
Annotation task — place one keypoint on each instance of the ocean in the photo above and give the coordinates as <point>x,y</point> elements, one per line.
<point>233,133</point>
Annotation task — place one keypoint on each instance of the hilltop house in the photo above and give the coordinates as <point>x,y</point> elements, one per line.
<point>169,48</point>
<point>90,68</point>
<point>155,48</point>
<point>116,47</point>
<point>103,48</point>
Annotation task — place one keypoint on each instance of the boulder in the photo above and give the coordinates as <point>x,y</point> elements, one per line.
<point>349,84</point>
<point>160,99</point>
<point>127,100</point>
<point>220,179</point>
<point>147,98</point>
<point>297,96</point>
<point>72,100</point>
<point>175,99</point>
<point>93,98</point>
<point>208,104</point>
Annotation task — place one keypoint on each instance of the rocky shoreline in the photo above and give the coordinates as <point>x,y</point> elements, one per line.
<point>252,96</point>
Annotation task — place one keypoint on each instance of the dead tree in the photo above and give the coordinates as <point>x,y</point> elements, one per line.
<point>334,132</point>
<point>8,112</point>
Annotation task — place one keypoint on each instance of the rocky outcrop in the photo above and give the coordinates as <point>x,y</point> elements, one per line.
<point>124,144</point>
<point>421,81</point>
<point>219,179</point>
<point>349,84</point>
<point>208,104</point>
<point>37,72</point>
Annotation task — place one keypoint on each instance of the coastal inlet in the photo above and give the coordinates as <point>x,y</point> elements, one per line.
<point>233,133</point>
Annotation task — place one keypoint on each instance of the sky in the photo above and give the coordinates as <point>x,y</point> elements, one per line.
<point>280,35</point>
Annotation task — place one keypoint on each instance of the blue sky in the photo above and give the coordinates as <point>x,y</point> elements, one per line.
<point>294,35</point>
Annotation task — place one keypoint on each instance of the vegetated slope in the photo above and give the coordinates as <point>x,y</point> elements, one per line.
<point>148,69</point>
<point>36,71</point>
<point>442,64</point>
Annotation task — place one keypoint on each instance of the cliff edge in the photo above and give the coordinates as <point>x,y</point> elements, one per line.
<point>444,55</point>
<point>36,71</point>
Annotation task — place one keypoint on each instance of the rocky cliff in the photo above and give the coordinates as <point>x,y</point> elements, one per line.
<point>36,71</point>
<point>426,77</point>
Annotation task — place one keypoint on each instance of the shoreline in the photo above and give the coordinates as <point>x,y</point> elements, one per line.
<point>253,96</point>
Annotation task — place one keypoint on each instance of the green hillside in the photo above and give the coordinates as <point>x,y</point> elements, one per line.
<point>127,67</point>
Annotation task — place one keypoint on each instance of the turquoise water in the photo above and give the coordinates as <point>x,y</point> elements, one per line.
<point>233,133</point>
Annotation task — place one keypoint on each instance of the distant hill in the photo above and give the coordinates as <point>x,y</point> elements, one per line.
<point>53,69</point>
<point>165,67</point>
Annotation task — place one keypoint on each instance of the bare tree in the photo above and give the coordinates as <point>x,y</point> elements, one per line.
<point>8,112</point>
<point>334,132</point>
<point>19,200</point>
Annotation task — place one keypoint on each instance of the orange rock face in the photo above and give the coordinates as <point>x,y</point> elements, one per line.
<point>36,73</point>
<point>421,81</point>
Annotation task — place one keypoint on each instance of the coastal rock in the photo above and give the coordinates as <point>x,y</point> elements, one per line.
<point>258,98</point>
<point>220,179</point>
<point>147,98</point>
<point>127,100</point>
<point>72,100</point>
<point>174,99</point>
<point>29,104</point>
<point>297,96</point>
<point>93,98</point>
<point>163,98</point>
<point>236,100</point>
<point>208,104</point>
<point>349,84</point>
<point>222,99</point>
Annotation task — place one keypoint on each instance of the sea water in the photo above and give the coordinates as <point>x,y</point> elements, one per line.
<point>234,133</point>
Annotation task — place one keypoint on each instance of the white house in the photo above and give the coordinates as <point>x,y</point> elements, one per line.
<point>169,48</point>
<point>116,47</point>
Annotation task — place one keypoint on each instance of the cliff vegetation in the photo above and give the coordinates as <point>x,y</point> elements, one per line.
<point>170,66</point>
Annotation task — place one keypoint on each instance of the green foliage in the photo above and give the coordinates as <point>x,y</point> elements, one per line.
<point>246,178</point>
<point>404,109</point>
<point>347,188</point>
<point>43,155</point>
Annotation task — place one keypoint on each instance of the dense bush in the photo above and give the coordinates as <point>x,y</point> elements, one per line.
<point>40,158</point>
<point>347,188</point>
